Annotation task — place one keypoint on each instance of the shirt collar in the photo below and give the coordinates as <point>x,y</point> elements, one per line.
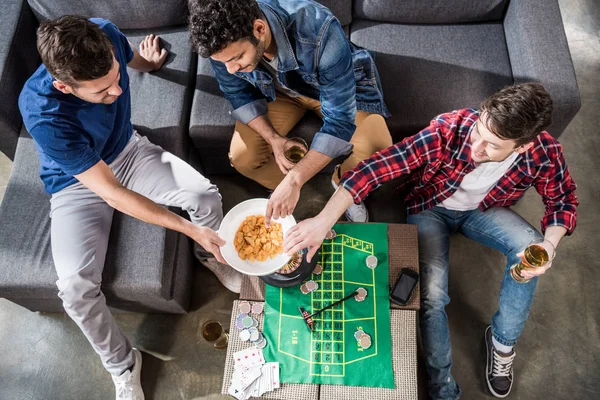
<point>285,54</point>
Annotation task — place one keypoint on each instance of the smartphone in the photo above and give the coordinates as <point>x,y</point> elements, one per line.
<point>404,286</point>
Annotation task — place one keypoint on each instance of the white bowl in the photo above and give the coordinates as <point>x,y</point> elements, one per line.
<point>229,227</point>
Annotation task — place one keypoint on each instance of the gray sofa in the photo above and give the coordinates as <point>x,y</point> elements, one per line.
<point>433,56</point>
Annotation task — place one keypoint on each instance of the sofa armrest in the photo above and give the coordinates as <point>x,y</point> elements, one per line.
<point>538,51</point>
<point>18,60</point>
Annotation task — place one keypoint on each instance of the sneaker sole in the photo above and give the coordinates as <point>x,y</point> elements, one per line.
<point>487,368</point>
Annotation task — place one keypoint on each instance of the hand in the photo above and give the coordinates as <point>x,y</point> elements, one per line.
<point>283,200</point>
<point>209,240</point>
<point>308,233</point>
<point>277,144</point>
<point>529,273</point>
<point>151,52</point>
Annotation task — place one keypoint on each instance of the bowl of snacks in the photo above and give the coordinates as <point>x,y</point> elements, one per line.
<point>251,247</point>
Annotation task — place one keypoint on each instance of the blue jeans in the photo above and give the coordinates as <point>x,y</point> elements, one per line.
<point>499,228</point>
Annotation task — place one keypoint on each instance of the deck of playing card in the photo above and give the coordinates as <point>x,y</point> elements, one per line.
<point>251,376</point>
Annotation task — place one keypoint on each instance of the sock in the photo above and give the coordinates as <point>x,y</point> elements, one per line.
<point>502,348</point>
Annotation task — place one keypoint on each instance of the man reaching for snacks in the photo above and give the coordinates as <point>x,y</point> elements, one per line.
<point>295,56</point>
<point>77,107</point>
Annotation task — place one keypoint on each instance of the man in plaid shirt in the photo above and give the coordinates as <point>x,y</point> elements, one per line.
<point>466,168</point>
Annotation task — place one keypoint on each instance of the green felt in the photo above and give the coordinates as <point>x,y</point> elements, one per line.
<point>330,354</point>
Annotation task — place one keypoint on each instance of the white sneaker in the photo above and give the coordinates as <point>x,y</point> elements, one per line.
<point>229,277</point>
<point>128,385</point>
<point>356,212</point>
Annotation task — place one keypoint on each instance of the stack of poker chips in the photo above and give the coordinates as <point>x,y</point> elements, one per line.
<point>309,286</point>
<point>361,294</point>
<point>363,339</point>
<point>248,325</point>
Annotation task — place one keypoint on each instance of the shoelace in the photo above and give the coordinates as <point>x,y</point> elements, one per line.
<point>124,389</point>
<point>502,365</point>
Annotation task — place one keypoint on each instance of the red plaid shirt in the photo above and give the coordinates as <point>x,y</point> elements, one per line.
<point>439,157</point>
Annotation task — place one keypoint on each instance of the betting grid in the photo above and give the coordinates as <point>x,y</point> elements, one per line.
<point>327,350</point>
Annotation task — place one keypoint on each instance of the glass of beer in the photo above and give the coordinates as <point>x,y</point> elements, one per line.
<point>538,254</point>
<point>295,149</point>
<point>212,331</point>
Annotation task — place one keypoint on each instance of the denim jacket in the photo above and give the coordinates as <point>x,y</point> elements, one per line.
<point>316,60</point>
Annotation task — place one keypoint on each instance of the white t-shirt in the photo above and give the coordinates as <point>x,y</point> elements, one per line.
<point>477,184</point>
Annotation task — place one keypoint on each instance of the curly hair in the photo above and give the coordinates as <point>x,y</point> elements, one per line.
<point>74,49</point>
<point>518,112</point>
<point>214,24</point>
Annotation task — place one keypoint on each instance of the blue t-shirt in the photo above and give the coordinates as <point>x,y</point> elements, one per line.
<point>73,135</point>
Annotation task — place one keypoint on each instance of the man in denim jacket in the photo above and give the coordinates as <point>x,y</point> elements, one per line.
<point>276,59</point>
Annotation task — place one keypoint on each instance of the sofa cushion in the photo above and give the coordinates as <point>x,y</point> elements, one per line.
<point>342,9</point>
<point>18,59</point>
<point>430,11</point>
<point>161,100</point>
<point>126,14</point>
<point>427,69</point>
<point>142,271</point>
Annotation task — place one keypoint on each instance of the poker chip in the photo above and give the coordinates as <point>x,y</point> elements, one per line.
<point>239,324</point>
<point>311,286</point>
<point>303,289</point>
<point>371,261</point>
<point>358,334</point>
<point>254,335</point>
<point>257,308</point>
<point>365,341</point>
<point>244,335</point>
<point>330,235</point>
<point>318,269</point>
<point>244,307</point>
<point>247,322</point>
<point>361,294</point>
<point>254,322</point>
<point>261,343</point>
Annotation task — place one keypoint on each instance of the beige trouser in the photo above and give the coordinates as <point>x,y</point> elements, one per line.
<point>252,156</point>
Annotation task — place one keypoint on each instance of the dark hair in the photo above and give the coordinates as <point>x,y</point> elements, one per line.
<point>214,24</point>
<point>74,49</point>
<point>518,112</point>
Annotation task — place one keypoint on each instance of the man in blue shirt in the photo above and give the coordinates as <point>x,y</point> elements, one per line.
<point>77,107</point>
<point>295,56</point>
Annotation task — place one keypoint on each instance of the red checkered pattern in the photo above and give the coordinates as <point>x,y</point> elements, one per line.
<point>438,158</point>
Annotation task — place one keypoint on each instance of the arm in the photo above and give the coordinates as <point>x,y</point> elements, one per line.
<point>150,57</point>
<point>383,166</point>
<point>101,180</point>
<point>338,105</point>
<point>558,194</point>
<point>311,232</point>
<point>557,189</point>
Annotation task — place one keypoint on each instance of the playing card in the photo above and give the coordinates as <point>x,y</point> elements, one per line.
<point>275,375</point>
<point>249,375</point>
<point>248,358</point>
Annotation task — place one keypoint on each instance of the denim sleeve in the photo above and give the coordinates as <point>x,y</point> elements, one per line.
<point>246,100</point>
<point>338,89</point>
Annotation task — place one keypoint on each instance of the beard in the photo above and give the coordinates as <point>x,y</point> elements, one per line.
<point>260,51</point>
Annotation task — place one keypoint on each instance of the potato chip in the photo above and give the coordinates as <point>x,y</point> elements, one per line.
<point>254,241</point>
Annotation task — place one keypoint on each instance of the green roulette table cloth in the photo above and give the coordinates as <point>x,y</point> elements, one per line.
<point>331,354</point>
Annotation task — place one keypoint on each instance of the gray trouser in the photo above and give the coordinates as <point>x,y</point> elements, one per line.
<point>81,223</point>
